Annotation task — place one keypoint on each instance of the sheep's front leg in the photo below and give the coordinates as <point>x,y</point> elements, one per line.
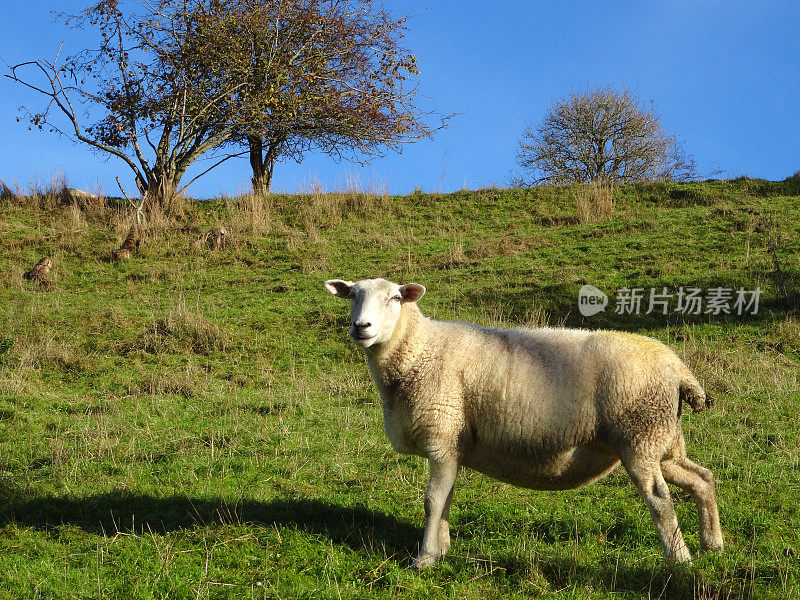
<point>437,500</point>
<point>444,525</point>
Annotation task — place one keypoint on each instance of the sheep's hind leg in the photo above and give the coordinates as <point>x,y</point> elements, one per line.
<point>647,477</point>
<point>699,482</point>
<point>437,504</point>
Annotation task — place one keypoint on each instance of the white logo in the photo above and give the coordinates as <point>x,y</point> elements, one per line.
<point>591,300</point>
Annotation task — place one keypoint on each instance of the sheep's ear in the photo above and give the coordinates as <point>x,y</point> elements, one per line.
<point>339,287</point>
<point>412,292</point>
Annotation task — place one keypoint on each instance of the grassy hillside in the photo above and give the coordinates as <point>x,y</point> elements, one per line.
<point>196,424</point>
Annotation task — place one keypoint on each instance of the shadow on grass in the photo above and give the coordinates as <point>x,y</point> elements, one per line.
<point>664,582</point>
<point>357,527</point>
<point>107,514</point>
<point>667,583</point>
<point>561,302</point>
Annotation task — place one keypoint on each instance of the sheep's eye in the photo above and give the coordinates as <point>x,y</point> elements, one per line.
<point>395,298</point>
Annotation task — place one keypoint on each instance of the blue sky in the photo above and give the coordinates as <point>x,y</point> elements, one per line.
<point>725,75</point>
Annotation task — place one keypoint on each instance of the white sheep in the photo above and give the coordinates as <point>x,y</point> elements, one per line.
<point>538,408</point>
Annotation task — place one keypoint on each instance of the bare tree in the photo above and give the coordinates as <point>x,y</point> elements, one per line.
<point>147,95</point>
<point>602,134</point>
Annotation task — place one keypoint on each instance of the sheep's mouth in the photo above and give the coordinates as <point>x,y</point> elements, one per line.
<point>362,339</point>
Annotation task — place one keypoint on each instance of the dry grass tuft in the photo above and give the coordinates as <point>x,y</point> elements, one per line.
<point>70,227</point>
<point>455,254</point>
<point>250,215</point>
<point>594,201</point>
<point>185,330</point>
<point>458,256</point>
<point>506,246</point>
<point>186,383</point>
<point>320,209</point>
<point>122,222</point>
<point>159,219</point>
<point>177,216</point>
<point>12,279</point>
<point>40,194</point>
<point>55,194</point>
<point>533,318</point>
<point>6,193</point>
<point>94,206</point>
<point>34,349</point>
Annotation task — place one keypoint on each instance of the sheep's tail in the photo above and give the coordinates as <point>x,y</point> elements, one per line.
<point>691,393</point>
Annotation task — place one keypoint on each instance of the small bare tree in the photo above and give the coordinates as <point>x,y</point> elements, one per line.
<point>150,93</point>
<point>603,134</point>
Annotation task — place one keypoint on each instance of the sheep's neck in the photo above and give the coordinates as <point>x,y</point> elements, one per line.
<point>397,356</point>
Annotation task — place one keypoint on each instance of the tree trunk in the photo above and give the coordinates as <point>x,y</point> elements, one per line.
<point>261,178</point>
<point>263,156</point>
<point>160,189</point>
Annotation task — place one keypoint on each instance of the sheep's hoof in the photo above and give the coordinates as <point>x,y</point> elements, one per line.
<point>424,560</point>
<point>715,546</point>
<point>682,557</point>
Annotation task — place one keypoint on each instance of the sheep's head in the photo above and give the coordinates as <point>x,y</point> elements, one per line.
<point>374,306</point>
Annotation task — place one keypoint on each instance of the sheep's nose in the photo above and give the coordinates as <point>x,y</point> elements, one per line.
<point>362,325</point>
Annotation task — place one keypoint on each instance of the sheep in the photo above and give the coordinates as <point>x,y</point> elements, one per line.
<point>537,408</point>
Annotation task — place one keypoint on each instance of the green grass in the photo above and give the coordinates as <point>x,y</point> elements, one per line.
<point>196,424</point>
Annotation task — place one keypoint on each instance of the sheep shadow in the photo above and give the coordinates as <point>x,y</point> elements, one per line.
<point>665,582</point>
<point>616,573</point>
<point>358,527</point>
